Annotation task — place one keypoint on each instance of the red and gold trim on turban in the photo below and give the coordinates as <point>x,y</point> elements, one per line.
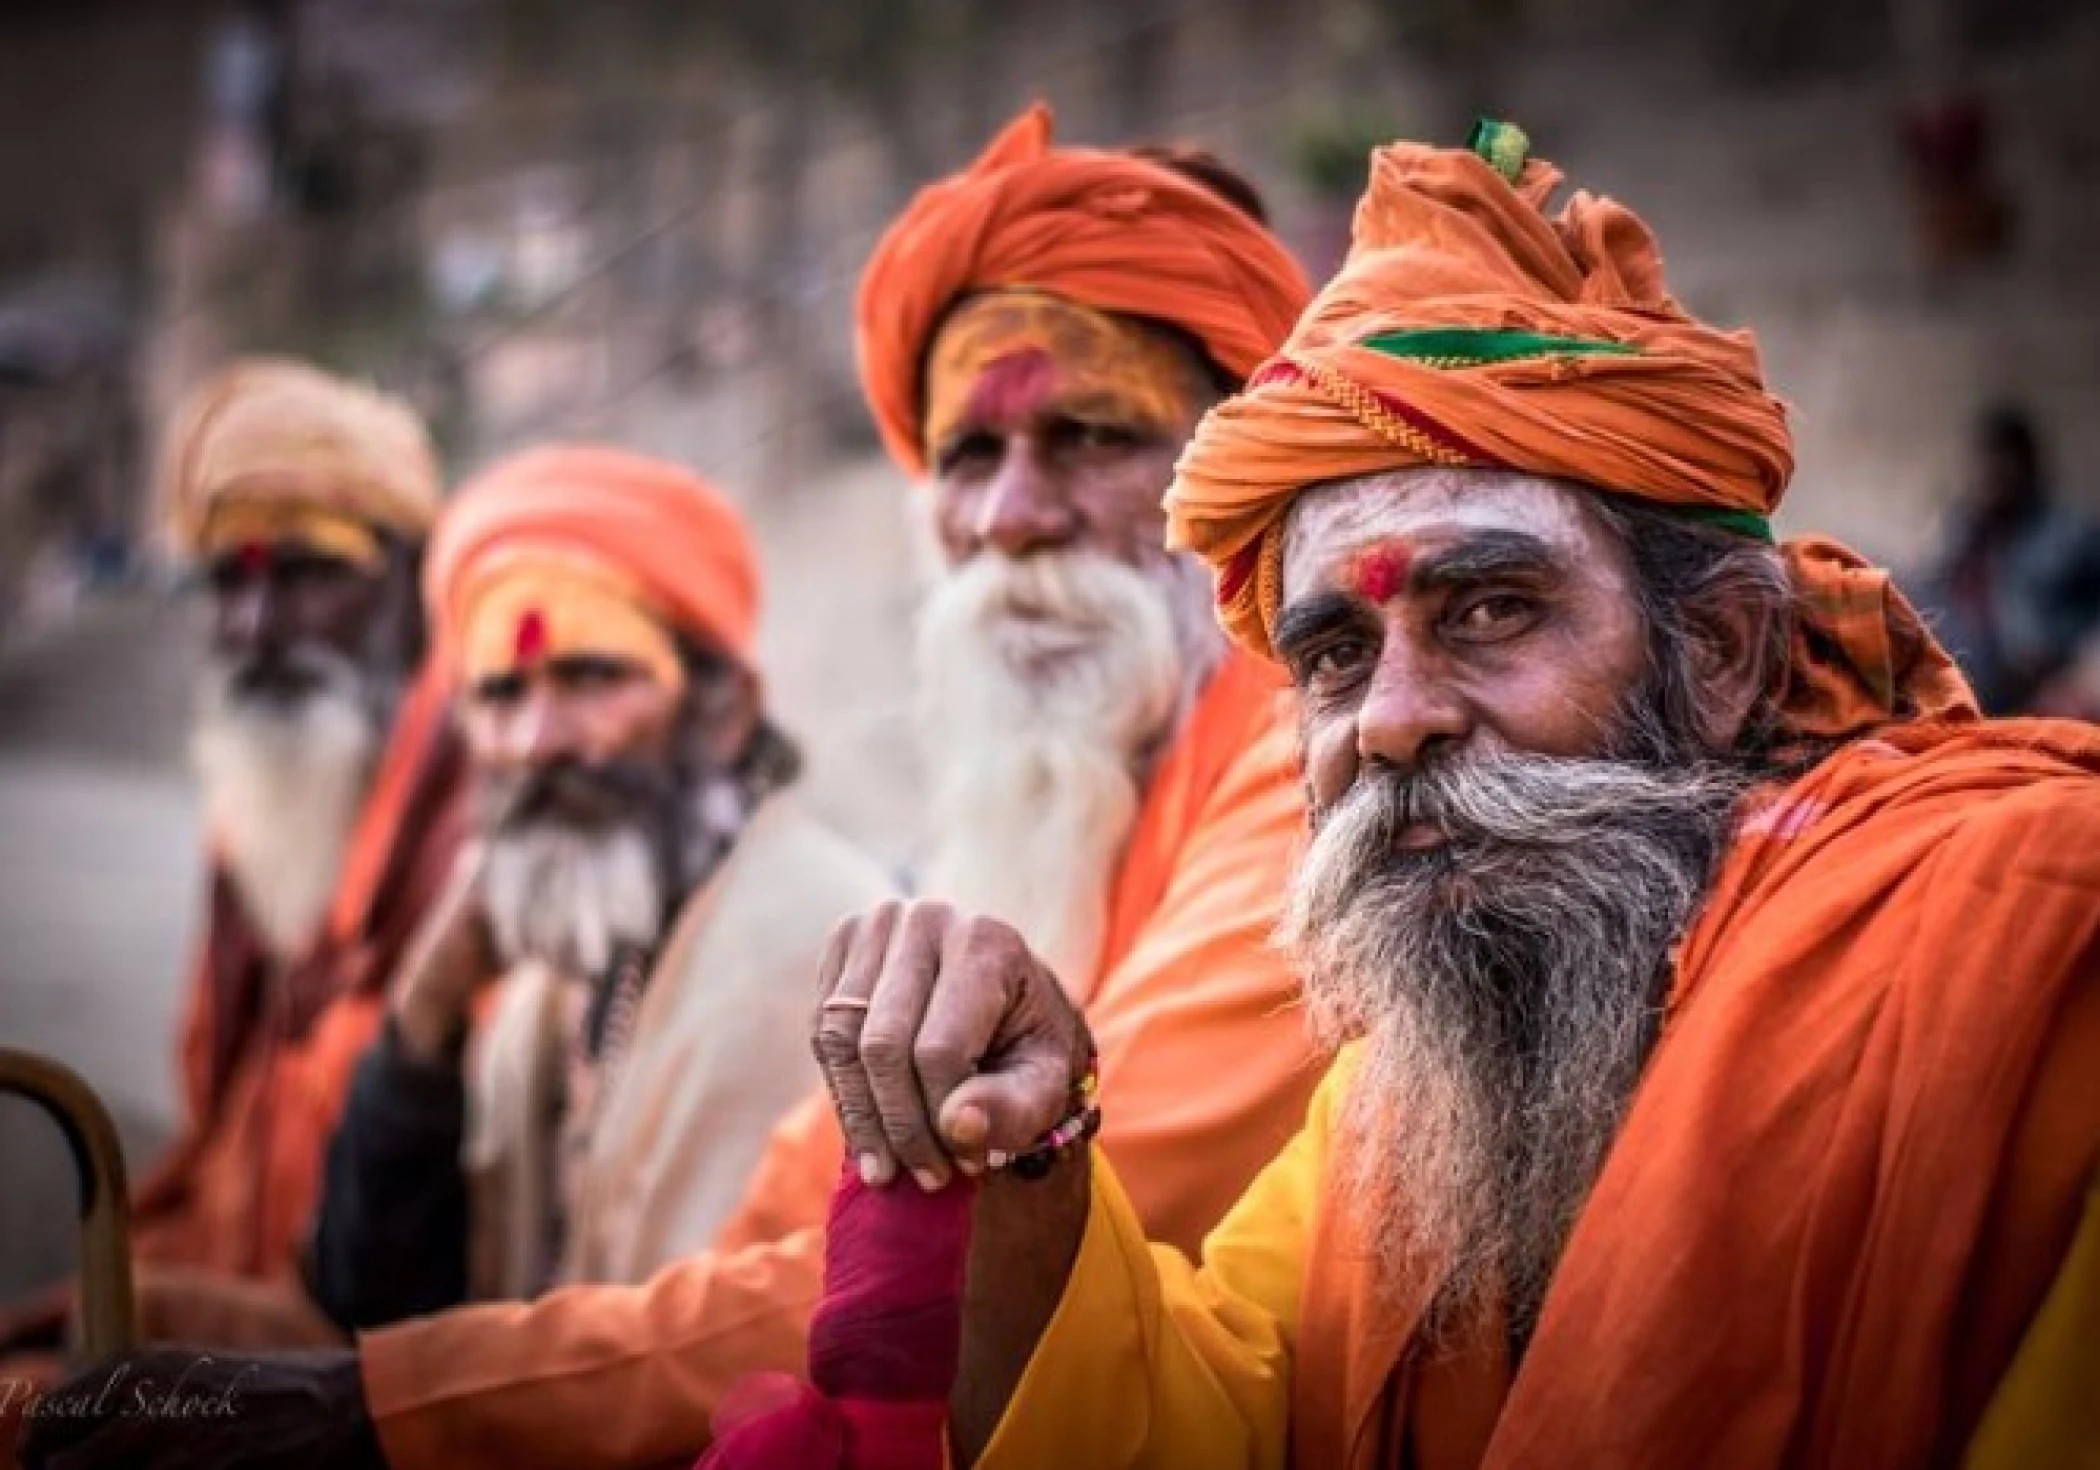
<point>1469,327</point>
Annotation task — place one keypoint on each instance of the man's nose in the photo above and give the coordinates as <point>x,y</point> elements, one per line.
<point>539,730</point>
<point>1409,711</point>
<point>249,614</point>
<point>1024,510</point>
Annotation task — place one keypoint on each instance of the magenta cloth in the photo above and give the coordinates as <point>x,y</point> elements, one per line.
<point>884,1344</point>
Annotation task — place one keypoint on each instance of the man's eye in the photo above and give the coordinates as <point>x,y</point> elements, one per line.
<point>1335,659</point>
<point>307,570</point>
<point>1097,434</point>
<point>500,692</point>
<point>1496,615</point>
<point>970,450</point>
<point>584,678</point>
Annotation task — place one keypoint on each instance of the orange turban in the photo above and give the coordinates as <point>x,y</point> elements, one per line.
<point>576,548</point>
<point>1470,327</point>
<point>271,448</point>
<point>1107,230</point>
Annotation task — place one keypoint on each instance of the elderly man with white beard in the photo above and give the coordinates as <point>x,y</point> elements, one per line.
<point>643,875</point>
<point>1105,773</point>
<point>329,781</point>
<point>654,898</point>
<point>1038,335</point>
<point>1720,993</point>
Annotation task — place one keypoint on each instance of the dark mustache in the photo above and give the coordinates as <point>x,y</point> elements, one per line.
<point>293,669</point>
<point>570,788</point>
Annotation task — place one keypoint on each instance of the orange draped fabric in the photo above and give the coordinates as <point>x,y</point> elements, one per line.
<point>1852,1169</point>
<point>267,1057</point>
<point>672,539</point>
<point>1107,230</point>
<point>1471,327</point>
<point>267,1049</point>
<point>1206,1070</point>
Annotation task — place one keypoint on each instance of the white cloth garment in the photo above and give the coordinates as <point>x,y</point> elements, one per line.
<point>720,1053</point>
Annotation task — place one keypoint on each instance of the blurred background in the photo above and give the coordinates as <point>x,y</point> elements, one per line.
<point>641,221</point>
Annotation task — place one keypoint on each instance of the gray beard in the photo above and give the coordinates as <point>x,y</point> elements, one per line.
<point>1507,989</point>
<point>283,785</point>
<point>568,899</point>
<point>569,891</point>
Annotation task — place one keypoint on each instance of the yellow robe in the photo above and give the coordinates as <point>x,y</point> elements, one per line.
<point>1152,1363</point>
<point>1848,1218</point>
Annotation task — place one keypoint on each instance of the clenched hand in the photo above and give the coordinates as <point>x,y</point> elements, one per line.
<point>944,1040</point>
<point>450,954</point>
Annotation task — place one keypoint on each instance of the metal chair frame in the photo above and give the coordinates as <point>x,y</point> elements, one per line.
<point>105,1201</point>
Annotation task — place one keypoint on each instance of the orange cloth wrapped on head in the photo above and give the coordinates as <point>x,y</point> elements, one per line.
<point>1107,230</point>
<point>575,549</point>
<point>274,450</point>
<point>1470,327</point>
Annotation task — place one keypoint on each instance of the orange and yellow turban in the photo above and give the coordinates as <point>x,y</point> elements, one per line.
<point>576,549</point>
<point>1469,326</point>
<point>1107,230</point>
<point>272,450</point>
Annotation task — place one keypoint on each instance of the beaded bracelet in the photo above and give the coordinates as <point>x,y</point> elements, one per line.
<point>1079,1127</point>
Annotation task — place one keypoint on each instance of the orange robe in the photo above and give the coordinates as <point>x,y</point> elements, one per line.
<point>267,1053</point>
<point>268,1049</point>
<point>1850,1219</point>
<point>1206,1070</point>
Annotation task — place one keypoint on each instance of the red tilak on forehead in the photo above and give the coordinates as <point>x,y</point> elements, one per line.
<point>253,557</point>
<point>530,644</point>
<point>1380,571</point>
<point>1013,388</point>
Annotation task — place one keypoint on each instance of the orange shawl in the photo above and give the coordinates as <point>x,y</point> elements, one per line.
<point>268,1049</point>
<point>1470,327</point>
<point>1784,1261</point>
<point>1108,230</point>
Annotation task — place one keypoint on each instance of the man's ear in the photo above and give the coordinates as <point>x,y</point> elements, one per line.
<point>1729,663</point>
<point>727,707</point>
<point>400,631</point>
<point>406,625</point>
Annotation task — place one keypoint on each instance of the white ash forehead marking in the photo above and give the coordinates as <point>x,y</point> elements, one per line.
<point>1331,522</point>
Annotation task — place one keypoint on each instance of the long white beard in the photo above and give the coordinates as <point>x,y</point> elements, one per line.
<point>566,898</point>
<point>1045,683</point>
<point>283,788</point>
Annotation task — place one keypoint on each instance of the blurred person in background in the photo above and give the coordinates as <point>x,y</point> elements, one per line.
<point>642,874</point>
<point>330,783</point>
<point>1720,994</point>
<point>2016,589</point>
<point>1039,335</point>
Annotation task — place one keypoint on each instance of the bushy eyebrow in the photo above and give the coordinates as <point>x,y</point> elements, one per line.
<point>1487,556</point>
<point>1310,617</point>
<point>1078,405</point>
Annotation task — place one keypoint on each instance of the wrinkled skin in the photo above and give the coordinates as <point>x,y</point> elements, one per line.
<point>273,601</point>
<point>1422,618</point>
